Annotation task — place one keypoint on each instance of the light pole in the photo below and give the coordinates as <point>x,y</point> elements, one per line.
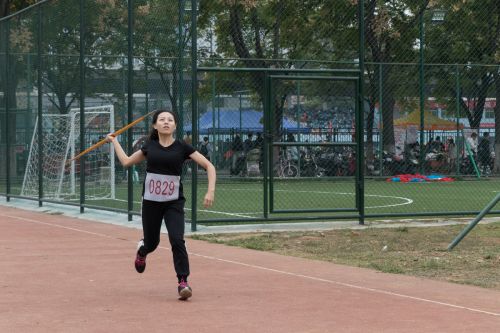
<point>437,17</point>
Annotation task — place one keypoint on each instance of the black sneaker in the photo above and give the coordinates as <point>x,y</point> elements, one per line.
<point>184,290</point>
<point>140,261</point>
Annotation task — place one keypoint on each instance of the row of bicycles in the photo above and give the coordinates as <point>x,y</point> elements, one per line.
<point>319,162</point>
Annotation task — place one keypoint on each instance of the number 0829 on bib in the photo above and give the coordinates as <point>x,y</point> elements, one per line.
<point>161,188</point>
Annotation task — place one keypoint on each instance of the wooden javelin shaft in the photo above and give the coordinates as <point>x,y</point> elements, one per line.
<point>115,134</point>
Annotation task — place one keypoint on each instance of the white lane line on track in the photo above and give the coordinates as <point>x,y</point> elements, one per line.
<point>348,285</point>
<point>57,226</point>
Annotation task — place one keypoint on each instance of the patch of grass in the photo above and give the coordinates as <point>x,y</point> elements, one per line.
<point>402,229</point>
<point>387,267</point>
<point>416,251</point>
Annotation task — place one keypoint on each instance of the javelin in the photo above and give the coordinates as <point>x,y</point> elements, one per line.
<point>115,134</point>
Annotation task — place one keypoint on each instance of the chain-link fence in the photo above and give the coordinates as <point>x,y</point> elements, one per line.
<point>283,147</point>
<point>70,57</point>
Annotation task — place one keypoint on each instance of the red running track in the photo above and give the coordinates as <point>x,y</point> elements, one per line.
<point>61,274</point>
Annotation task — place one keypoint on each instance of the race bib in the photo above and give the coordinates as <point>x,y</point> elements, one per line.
<point>161,188</point>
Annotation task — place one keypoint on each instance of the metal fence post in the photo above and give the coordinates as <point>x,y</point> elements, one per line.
<point>82,106</point>
<point>421,91</point>
<point>40,105</point>
<point>360,132</point>
<point>7,107</point>
<point>194,104</point>
<point>180,69</point>
<point>457,114</point>
<point>130,101</point>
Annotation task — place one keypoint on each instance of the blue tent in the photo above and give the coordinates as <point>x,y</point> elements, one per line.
<point>227,119</point>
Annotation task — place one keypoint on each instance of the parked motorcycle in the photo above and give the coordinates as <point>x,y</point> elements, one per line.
<point>309,166</point>
<point>393,164</point>
<point>337,162</point>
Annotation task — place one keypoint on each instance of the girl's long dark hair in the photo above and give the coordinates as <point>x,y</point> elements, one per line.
<point>153,135</point>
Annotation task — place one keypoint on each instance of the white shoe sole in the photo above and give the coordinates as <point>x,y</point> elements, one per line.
<point>185,294</point>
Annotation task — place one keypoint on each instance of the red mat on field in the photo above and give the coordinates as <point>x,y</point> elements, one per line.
<point>417,178</point>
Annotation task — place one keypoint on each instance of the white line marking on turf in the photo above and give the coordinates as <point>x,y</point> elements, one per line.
<point>224,213</point>
<point>348,285</point>
<point>406,201</point>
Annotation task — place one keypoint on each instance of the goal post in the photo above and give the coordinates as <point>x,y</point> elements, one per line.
<point>61,139</point>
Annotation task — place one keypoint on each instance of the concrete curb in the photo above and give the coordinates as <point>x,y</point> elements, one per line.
<point>122,220</point>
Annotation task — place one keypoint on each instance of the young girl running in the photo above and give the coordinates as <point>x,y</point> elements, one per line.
<point>163,197</point>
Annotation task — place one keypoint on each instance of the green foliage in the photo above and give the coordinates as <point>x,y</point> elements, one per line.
<point>472,30</point>
<point>281,29</point>
<point>288,34</point>
<point>8,7</point>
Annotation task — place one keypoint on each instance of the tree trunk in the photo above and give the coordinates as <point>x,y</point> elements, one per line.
<point>4,8</point>
<point>369,131</point>
<point>370,118</point>
<point>477,111</point>
<point>382,54</point>
<point>8,86</point>
<point>387,115</point>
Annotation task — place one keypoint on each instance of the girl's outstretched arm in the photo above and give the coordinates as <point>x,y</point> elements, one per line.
<point>207,165</point>
<point>125,160</point>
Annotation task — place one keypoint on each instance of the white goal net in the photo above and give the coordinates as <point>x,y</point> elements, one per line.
<point>60,142</point>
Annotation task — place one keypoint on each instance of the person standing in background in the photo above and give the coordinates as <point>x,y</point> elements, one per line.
<point>484,153</point>
<point>206,148</point>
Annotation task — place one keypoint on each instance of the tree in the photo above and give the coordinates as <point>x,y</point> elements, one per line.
<point>389,31</point>
<point>9,82</point>
<point>261,32</point>
<point>61,45</point>
<point>157,39</point>
<point>473,39</point>
<point>279,34</point>
<point>8,7</point>
<point>163,43</point>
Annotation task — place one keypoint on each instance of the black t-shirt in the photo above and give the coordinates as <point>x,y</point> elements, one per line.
<point>166,160</point>
<point>484,147</point>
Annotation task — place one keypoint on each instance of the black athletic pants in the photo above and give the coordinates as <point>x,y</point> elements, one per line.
<point>153,213</point>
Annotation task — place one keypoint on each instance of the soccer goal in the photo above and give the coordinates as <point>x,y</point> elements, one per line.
<point>60,141</point>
